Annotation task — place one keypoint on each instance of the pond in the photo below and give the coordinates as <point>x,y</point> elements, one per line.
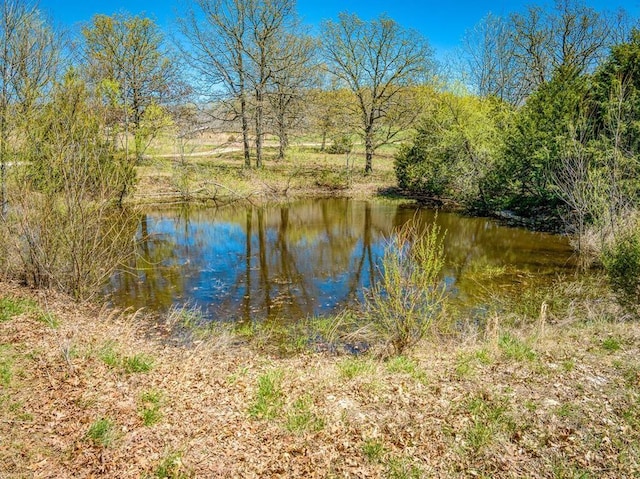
<point>314,257</point>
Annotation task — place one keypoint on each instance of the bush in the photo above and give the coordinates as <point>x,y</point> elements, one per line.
<point>64,226</point>
<point>621,260</point>
<point>409,296</point>
<point>420,172</point>
<point>341,145</point>
<point>334,180</point>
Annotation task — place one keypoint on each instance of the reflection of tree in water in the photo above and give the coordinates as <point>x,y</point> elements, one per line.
<point>308,257</point>
<point>144,283</point>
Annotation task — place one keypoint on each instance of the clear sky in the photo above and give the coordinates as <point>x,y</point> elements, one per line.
<point>443,22</point>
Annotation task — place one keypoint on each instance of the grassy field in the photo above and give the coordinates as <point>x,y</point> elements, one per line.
<point>552,391</point>
<point>211,169</point>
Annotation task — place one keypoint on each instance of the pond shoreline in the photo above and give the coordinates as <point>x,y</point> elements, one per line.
<point>285,181</point>
<point>313,257</point>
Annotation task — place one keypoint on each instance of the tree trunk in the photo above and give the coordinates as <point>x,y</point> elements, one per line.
<point>283,139</point>
<point>245,131</point>
<point>368,152</point>
<point>259,132</point>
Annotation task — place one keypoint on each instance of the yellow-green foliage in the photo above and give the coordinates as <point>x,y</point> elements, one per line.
<point>409,295</point>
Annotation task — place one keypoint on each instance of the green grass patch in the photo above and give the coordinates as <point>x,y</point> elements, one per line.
<point>405,365</point>
<point>611,344</point>
<point>48,319</point>
<point>467,363</point>
<point>6,372</point>
<point>403,468</point>
<point>563,468</point>
<point>373,450</point>
<point>515,349</point>
<point>102,432</point>
<point>568,410</point>
<point>489,418</point>
<point>171,467</point>
<point>301,416</point>
<point>631,375</point>
<point>109,355</point>
<point>149,410</point>
<point>353,367</point>
<point>269,397</point>
<point>138,363</point>
<point>7,364</point>
<point>12,307</point>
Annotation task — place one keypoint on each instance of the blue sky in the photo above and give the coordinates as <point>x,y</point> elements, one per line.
<point>442,22</point>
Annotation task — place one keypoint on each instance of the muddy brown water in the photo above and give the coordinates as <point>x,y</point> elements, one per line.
<point>316,256</point>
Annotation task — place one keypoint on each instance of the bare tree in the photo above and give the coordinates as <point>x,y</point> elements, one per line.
<point>29,50</point>
<point>510,58</point>
<point>216,33</point>
<point>580,36</point>
<point>378,61</point>
<point>490,59</point>
<point>294,76</point>
<point>269,21</point>
<point>532,48</point>
<point>235,48</point>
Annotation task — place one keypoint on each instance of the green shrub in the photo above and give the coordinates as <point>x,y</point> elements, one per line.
<point>334,180</point>
<point>409,295</point>
<point>421,171</point>
<point>621,260</point>
<point>341,144</point>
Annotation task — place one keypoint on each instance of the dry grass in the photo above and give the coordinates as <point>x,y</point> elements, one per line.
<point>213,170</point>
<point>570,408</point>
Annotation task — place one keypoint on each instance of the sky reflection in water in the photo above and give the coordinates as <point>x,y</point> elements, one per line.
<point>313,257</point>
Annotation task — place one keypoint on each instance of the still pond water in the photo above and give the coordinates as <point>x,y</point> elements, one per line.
<point>313,257</point>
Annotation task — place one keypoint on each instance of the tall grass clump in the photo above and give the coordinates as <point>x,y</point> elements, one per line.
<point>408,298</point>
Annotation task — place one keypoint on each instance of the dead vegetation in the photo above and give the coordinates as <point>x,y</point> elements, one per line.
<point>91,393</point>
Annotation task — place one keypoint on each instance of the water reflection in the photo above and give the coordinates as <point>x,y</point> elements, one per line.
<point>309,257</point>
